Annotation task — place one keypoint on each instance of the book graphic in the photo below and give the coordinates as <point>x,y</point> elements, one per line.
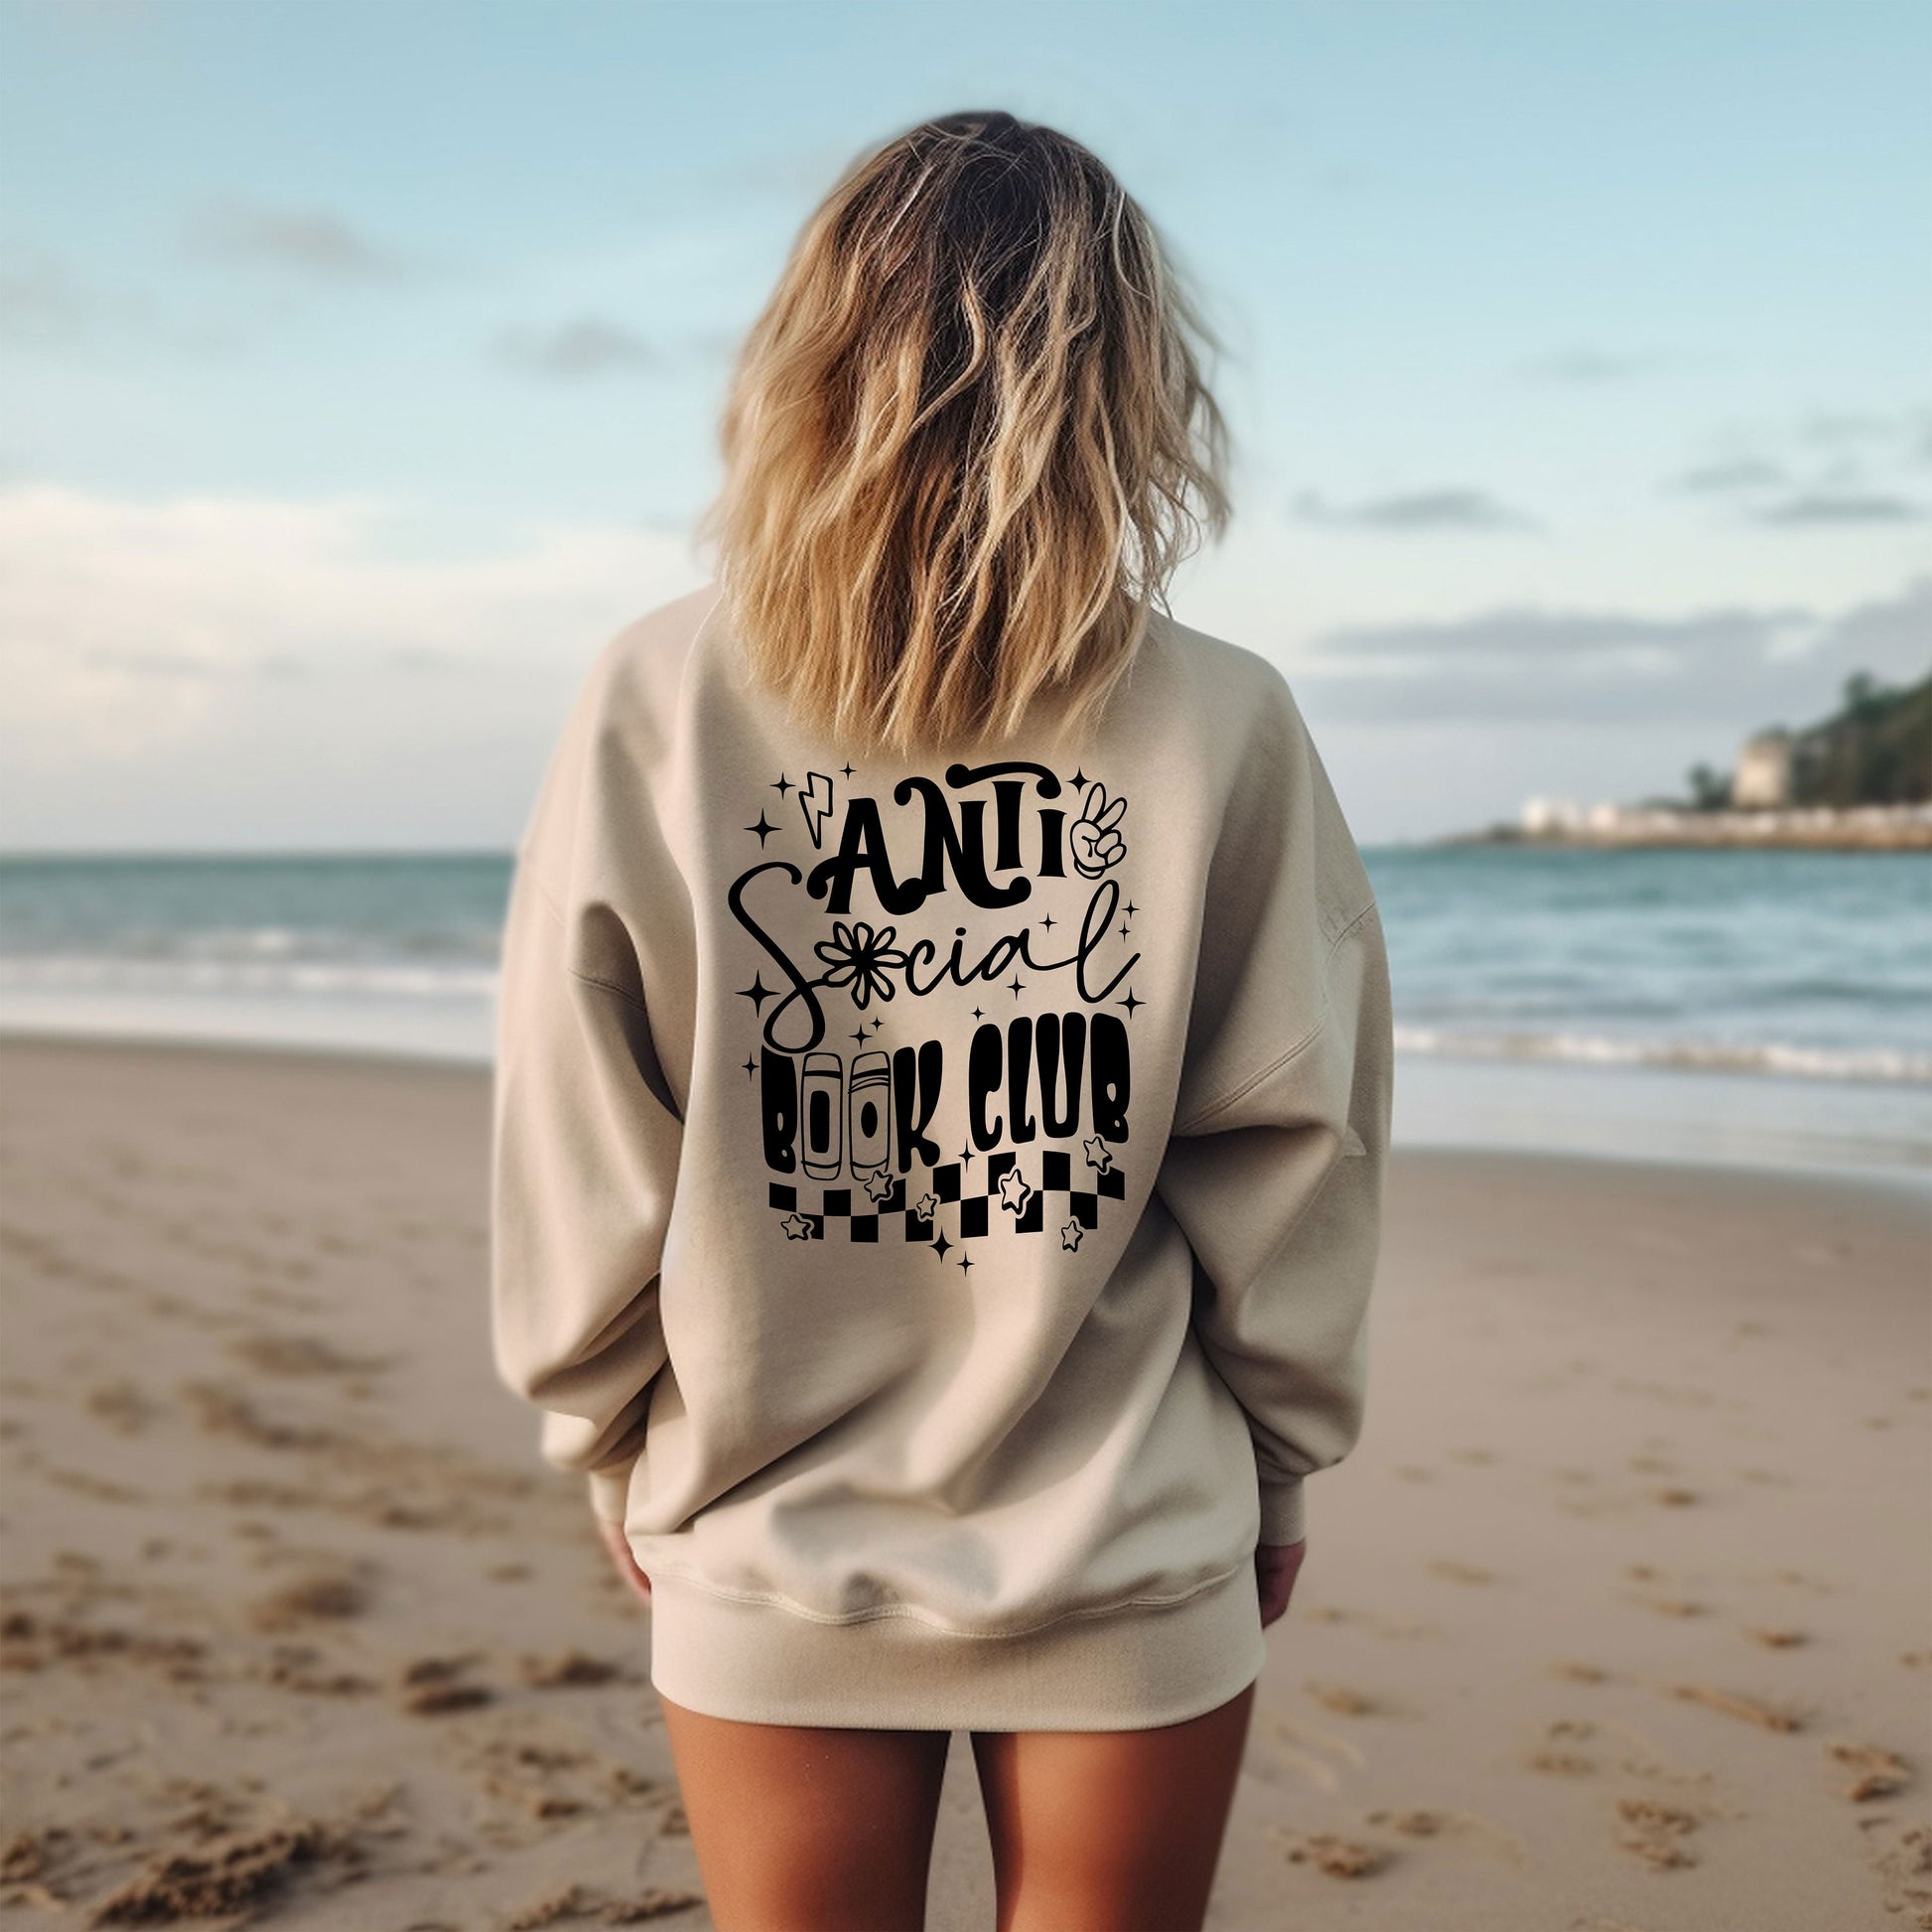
<point>870,1137</point>
<point>822,1085</point>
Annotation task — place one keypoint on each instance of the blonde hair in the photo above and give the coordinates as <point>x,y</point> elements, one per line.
<point>962,440</point>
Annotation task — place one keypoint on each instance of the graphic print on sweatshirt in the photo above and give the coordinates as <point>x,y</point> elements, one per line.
<point>905,1142</point>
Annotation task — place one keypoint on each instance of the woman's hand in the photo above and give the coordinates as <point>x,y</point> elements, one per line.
<point>618,1545</point>
<point>1277,1565</point>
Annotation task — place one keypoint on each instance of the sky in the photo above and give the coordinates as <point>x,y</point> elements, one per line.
<point>361,364</point>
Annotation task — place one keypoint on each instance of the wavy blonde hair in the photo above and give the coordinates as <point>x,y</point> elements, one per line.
<point>966,442</point>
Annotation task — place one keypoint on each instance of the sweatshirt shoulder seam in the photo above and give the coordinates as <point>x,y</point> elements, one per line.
<point>1279,1060</point>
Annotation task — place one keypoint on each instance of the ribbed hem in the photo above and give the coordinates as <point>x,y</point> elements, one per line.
<point>1284,1517</point>
<point>1131,1668</point>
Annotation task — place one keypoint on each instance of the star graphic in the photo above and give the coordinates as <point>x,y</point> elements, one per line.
<point>941,1246</point>
<point>1047,922</point>
<point>751,1068</point>
<point>1070,1234</point>
<point>966,1155</point>
<point>978,1013</point>
<point>1099,1154</point>
<point>1017,983</point>
<point>1123,929</point>
<point>965,1260</point>
<point>1132,908</point>
<point>1013,1189</point>
<point>1130,1003</point>
<point>1079,778</point>
<point>877,1023</point>
<point>859,1033</point>
<point>763,828</point>
<point>926,1206</point>
<point>781,784</point>
<point>796,1228</point>
<point>879,1187</point>
<point>847,770</point>
<point>758,993</point>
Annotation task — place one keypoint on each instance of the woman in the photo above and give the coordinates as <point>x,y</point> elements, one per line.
<point>943,1081</point>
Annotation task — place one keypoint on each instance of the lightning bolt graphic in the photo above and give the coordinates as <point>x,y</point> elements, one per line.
<point>816,800</point>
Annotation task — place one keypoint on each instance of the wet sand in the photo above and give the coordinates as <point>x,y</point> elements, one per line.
<point>1617,1620</point>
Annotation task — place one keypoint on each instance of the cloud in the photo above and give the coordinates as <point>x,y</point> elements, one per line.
<point>1455,507</point>
<point>1834,508</point>
<point>1732,665</point>
<point>47,307</point>
<point>313,243</point>
<point>586,346</point>
<point>1738,473</point>
<point>1835,467</point>
<point>130,630</point>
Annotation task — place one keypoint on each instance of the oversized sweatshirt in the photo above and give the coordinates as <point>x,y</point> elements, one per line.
<point>934,1205</point>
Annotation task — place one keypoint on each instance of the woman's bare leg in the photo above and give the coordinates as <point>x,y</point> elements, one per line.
<point>1110,1830</point>
<point>802,1830</point>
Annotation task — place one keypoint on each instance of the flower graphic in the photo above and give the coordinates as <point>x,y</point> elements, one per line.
<point>1097,845</point>
<point>861,960</point>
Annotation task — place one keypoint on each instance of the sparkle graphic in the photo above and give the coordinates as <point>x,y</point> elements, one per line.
<point>816,800</point>
<point>763,828</point>
<point>1099,1154</point>
<point>758,993</point>
<point>941,1246</point>
<point>781,784</point>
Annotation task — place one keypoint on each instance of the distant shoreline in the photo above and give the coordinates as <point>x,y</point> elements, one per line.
<point>1861,828</point>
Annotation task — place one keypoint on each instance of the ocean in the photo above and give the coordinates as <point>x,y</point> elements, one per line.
<point>1756,1006</point>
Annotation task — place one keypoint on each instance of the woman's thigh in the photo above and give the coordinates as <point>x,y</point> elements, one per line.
<point>1111,1831</point>
<point>800,1830</point>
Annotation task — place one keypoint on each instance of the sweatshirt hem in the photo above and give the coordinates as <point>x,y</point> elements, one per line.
<point>1128,1666</point>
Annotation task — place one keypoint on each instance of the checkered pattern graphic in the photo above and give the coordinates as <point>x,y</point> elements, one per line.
<point>975,1188</point>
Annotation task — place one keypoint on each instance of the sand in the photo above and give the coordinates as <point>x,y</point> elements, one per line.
<point>1617,1619</point>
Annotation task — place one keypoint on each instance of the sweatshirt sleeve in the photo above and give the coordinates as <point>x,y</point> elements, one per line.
<point>585,1146</point>
<point>1274,1166</point>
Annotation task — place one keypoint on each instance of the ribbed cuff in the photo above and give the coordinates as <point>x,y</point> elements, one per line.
<point>1282,1512</point>
<point>611,1492</point>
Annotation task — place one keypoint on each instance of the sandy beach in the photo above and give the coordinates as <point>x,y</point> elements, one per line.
<point>1618,1618</point>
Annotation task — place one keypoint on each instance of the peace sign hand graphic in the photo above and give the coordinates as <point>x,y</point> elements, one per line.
<point>1097,846</point>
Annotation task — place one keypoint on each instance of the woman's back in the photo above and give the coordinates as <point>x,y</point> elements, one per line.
<point>936,1199</point>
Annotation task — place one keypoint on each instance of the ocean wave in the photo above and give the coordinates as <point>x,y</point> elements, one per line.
<point>262,975</point>
<point>1883,1065</point>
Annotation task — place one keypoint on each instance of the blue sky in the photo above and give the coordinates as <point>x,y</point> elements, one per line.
<point>362,366</point>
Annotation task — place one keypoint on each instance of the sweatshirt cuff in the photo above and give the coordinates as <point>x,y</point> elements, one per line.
<point>1281,1517</point>
<point>611,1492</point>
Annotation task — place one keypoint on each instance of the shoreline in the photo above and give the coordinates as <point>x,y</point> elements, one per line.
<point>1614,1616</point>
<point>1644,1113</point>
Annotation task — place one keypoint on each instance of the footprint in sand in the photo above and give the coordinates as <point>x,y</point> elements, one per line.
<point>1453,1571</point>
<point>1876,1772</point>
<point>1336,1857</point>
<point>1655,1833</point>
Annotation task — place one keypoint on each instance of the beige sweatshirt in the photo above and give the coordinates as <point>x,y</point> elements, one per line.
<point>936,1205</point>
